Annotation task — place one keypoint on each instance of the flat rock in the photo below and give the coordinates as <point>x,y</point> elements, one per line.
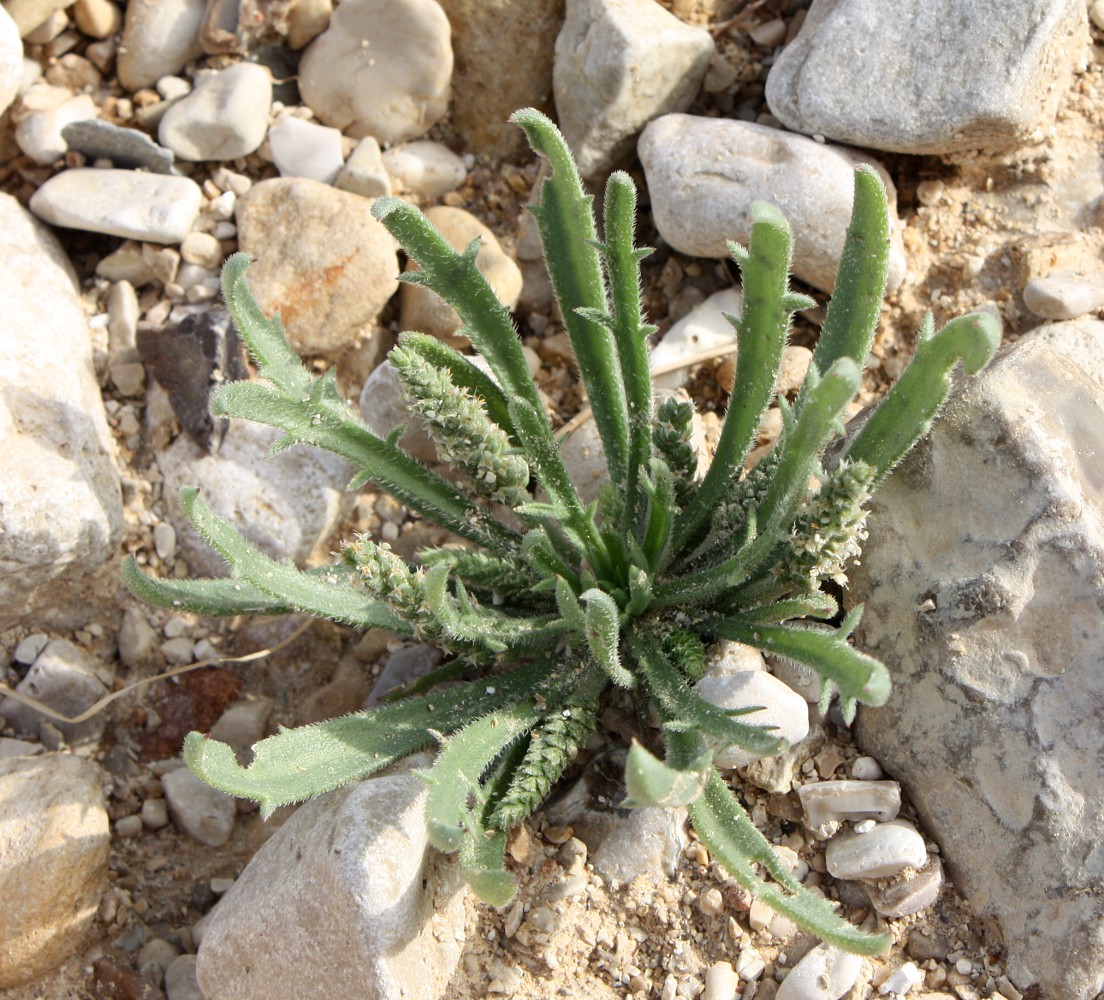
<point>202,812</point>
<point>53,861</point>
<point>382,68</point>
<point>782,710</point>
<point>63,678</point>
<point>503,62</point>
<point>935,77</point>
<point>62,517</point>
<point>1082,340</point>
<point>323,261</point>
<point>138,206</point>
<point>375,907</point>
<point>160,37</point>
<point>223,118</point>
<point>125,147</point>
<point>619,64</point>
<point>980,578</point>
<point>426,311</point>
<point>286,505</point>
<point>704,173</point>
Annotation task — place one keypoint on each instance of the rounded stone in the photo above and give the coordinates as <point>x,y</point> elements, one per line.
<point>54,839</point>
<point>160,38</point>
<point>223,118</point>
<point>382,68</point>
<point>323,261</point>
<point>11,60</point>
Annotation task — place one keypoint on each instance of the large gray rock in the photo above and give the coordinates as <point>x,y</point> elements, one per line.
<point>323,261</point>
<point>983,580</point>
<point>619,64</point>
<point>286,505</point>
<point>378,915</point>
<point>61,515</point>
<point>931,76</point>
<point>53,861</point>
<point>704,173</point>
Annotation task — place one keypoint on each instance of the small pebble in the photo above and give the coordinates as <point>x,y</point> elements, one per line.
<point>155,814</point>
<point>28,649</point>
<point>305,149</point>
<point>829,803</point>
<point>202,812</point>
<point>428,169</point>
<point>39,134</point>
<point>97,18</point>
<point>825,973</point>
<point>202,249</point>
<point>711,902</point>
<point>128,826</point>
<point>164,540</point>
<point>866,769</point>
<point>721,982</point>
<point>750,965</point>
<point>901,980</point>
<point>887,849</point>
<point>224,117</point>
<point>363,172</point>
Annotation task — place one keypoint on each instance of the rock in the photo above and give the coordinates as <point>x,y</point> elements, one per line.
<point>97,18</point>
<point>423,309</point>
<point>201,249</point>
<point>125,203</point>
<point>825,973</point>
<point>181,982</point>
<point>979,576</point>
<point>323,261</point>
<point>374,906</point>
<point>383,408</point>
<point>402,668</point>
<point>701,329</point>
<point>53,861</point>
<point>137,640</point>
<point>343,693</point>
<point>363,172</point>
<point>202,812</point>
<point>646,842</point>
<point>901,980</point>
<point>241,725</point>
<point>160,38</point>
<point>61,515</point>
<point>62,678</point>
<point>829,803</point>
<point>503,62</point>
<point>721,982</point>
<point>307,19</point>
<point>935,79</point>
<point>31,14</point>
<point>1064,294</point>
<point>908,893</point>
<point>704,173</point>
<point>305,149</point>
<point>155,814</point>
<point>783,710</point>
<point>727,657</point>
<point>426,169</point>
<point>223,118</point>
<point>39,134</point>
<point>285,505</point>
<point>1082,340</point>
<point>382,68</point>
<point>620,64</point>
<point>11,60</point>
<point>887,849</point>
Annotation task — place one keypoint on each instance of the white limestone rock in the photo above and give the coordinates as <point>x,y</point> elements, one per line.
<point>934,76</point>
<point>619,64</point>
<point>981,580</point>
<point>1065,294</point>
<point>286,505</point>
<point>382,68</point>
<point>160,38</point>
<point>887,849</point>
<point>825,973</point>
<point>305,149</point>
<point>39,134</point>
<point>827,804</point>
<point>423,168</point>
<point>783,710</point>
<point>645,842</point>
<point>364,172</point>
<point>377,913</point>
<point>61,517</point>
<point>702,329</point>
<point>53,861</point>
<point>1081,340</point>
<point>223,118</point>
<point>155,208</point>
<point>704,173</point>
<point>322,260</point>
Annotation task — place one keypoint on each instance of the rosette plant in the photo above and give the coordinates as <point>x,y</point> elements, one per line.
<point>544,602</point>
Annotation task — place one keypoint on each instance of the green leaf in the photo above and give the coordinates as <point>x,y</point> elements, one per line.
<point>651,782</point>
<point>602,628</point>
<point>566,223</point>
<point>905,413</point>
<point>331,596</point>
<point>202,597</point>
